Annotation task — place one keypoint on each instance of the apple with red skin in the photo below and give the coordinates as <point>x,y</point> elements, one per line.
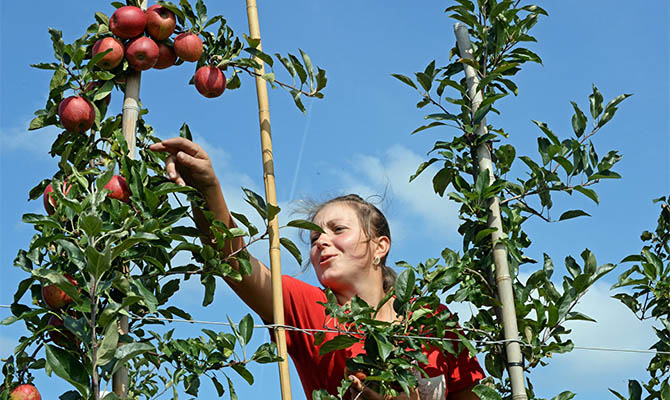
<point>128,22</point>
<point>62,337</point>
<point>166,56</point>
<point>360,375</point>
<point>54,297</point>
<point>188,46</point>
<point>119,187</point>
<point>113,58</point>
<point>142,53</point>
<point>160,22</point>
<point>210,81</point>
<point>50,202</point>
<point>25,392</point>
<point>76,114</point>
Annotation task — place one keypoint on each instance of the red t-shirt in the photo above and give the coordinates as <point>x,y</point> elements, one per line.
<point>301,310</point>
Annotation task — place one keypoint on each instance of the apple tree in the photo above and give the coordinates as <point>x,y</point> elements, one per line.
<point>524,187</point>
<point>107,245</point>
<point>649,280</point>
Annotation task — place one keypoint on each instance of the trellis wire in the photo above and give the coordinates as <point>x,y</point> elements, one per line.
<point>311,331</point>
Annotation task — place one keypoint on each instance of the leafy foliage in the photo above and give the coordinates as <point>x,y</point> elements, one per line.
<point>121,255</point>
<point>648,296</point>
<point>564,164</point>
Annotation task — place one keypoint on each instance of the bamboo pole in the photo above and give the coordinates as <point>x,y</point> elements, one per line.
<point>131,111</point>
<point>503,279</point>
<point>271,198</point>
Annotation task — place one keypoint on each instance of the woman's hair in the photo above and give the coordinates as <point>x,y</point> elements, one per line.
<point>372,221</point>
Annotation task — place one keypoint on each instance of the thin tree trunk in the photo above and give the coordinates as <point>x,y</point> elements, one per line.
<point>505,290</point>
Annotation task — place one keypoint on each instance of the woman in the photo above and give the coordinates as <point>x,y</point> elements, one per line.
<point>349,258</point>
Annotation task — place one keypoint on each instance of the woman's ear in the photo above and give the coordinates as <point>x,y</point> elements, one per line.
<point>383,244</point>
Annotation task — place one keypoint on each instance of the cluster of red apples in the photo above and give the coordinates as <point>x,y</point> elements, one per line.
<point>129,23</point>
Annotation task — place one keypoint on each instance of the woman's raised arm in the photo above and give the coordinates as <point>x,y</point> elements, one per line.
<point>188,164</point>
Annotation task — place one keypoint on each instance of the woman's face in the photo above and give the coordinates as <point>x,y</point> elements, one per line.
<point>342,255</point>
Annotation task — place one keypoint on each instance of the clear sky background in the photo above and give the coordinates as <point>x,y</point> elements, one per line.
<point>358,139</point>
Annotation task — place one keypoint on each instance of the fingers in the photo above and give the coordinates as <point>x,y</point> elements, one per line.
<point>177,144</point>
<point>173,173</point>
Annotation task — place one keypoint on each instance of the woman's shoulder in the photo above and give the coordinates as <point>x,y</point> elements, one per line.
<point>296,288</point>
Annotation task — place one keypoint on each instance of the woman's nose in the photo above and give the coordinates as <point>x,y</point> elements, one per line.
<point>322,240</point>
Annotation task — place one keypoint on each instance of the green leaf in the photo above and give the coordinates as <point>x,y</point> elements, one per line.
<point>321,79</point>
<point>128,351</point>
<point>287,64</point>
<point>37,122</point>
<point>298,68</point>
<point>272,211</point>
<point>185,132</point>
<point>246,328</point>
<point>486,393</point>
<point>109,343</point>
<point>578,120</point>
<point>58,79</point>
<point>573,214</point>
<point>405,79</point>
<point>67,366</point>
<point>596,102</point>
<point>244,373</point>
<point>256,201</point>
<point>424,127</point>
<point>590,193</point>
<point>308,66</point>
<point>383,345</point>
<point>98,263</point>
<point>634,390</point>
<point>337,343</point>
<point>422,167</point>
<point>665,390</point>
<point>550,134</point>
<point>210,287</point>
<point>131,241</point>
<point>304,224</point>
<point>292,248</point>
<point>567,395</point>
<point>404,285</point>
<point>91,224</point>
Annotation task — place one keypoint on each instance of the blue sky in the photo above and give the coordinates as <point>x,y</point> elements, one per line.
<point>357,139</point>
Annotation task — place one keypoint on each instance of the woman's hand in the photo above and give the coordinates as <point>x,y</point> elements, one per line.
<point>359,391</point>
<point>188,164</point>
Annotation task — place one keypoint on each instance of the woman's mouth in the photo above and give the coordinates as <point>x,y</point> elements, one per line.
<point>325,259</point>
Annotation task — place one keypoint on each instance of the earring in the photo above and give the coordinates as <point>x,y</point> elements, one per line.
<point>376,261</point>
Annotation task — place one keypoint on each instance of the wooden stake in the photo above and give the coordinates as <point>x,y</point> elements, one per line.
<point>271,198</point>
<point>131,111</point>
<point>505,290</point>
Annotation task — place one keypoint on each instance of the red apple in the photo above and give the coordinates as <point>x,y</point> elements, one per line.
<point>25,392</point>
<point>114,57</point>
<point>128,22</point>
<point>210,81</point>
<point>50,202</point>
<point>95,84</point>
<point>188,46</point>
<point>61,336</point>
<point>166,56</point>
<point>119,187</point>
<point>142,53</point>
<point>76,114</point>
<point>160,22</point>
<point>360,375</point>
<point>54,297</point>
